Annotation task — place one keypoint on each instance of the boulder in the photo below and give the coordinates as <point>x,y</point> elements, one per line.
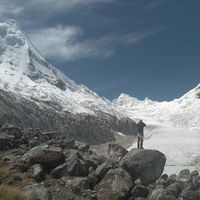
<point>185,174</point>
<point>172,190</point>
<point>11,130</point>
<point>37,172</point>
<point>84,147</point>
<point>189,195</point>
<point>33,142</point>
<point>140,191</point>
<point>66,143</point>
<point>116,184</point>
<point>116,151</point>
<point>48,157</point>
<point>60,171</point>
<point>194,173</point>
<point>76,166</point>
<point>104,168</point>
<point>6,141</point>
<point>78,183</point>
<point>38,191</point>
<point>90,159</point>
<point>147,165</point>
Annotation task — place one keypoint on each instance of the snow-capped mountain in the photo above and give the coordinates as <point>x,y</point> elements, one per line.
<point>23,71</point>
<point>181,113</point>
<point>176,125</point>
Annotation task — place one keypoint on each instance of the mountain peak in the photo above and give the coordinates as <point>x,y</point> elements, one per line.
<point>23,71</point>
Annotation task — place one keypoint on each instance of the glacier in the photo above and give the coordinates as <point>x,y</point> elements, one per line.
<point>173,127</point>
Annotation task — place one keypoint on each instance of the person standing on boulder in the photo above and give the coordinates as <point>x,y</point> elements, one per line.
<point>140,134</point>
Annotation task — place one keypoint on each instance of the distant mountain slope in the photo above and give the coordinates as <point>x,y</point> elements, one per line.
<point>183,112</point>
<point>35,94</point>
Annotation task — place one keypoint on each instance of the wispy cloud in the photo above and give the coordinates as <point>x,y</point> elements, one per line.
<point>18,7</point>
<point>67,43</point>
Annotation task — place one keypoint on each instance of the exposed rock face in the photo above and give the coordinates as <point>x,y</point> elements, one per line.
<point>116,184</point>
<point>146,165</point>
<point>83,127</point>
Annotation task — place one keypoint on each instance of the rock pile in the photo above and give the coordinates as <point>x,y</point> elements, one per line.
<point>58,168</point>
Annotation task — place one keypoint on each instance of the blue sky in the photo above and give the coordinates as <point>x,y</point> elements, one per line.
<point>145,48</point>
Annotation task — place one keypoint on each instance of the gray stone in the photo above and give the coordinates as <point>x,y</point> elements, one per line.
<point>38,191</point>
<point>66,143</point>
<point>146,165</point>
<point>116,151</point>
<point>76,166</point>
<point>189,195</point>
<point>78,183</point>
<point>194,173</point>
<point>140,191</point>
<point>90,159</point>
<point>104,168</point>
<point>84,147</point>
<point>156,193</point>
<point>185,174</point>
<point>116,184</point>
<point>33,143</point>
<point>172,190</point>
<point>48,157</point>
<point>60,171</point>
<point>37,172</point>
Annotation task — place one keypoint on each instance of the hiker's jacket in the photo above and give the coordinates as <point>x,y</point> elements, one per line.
<point>140,126</point>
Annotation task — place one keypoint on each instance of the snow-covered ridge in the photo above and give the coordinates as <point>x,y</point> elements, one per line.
<point>182,112</point>
<point>25,72</point>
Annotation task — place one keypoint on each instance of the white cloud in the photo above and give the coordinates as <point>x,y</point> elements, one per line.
<point>17,7</point>
<point>66,43</point>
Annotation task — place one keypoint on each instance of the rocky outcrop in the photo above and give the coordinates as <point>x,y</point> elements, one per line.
<point>83,127</point>
<point>147,165</point>
<point>60,168</point>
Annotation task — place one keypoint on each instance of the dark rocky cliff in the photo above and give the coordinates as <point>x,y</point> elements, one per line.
<point>83,127</point>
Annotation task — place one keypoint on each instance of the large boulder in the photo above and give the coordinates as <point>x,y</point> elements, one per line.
<point>116,184</point>
<point>48,157</point>
<point>147,165</point>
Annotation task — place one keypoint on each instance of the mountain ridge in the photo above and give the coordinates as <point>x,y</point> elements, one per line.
<point>181,112</point>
